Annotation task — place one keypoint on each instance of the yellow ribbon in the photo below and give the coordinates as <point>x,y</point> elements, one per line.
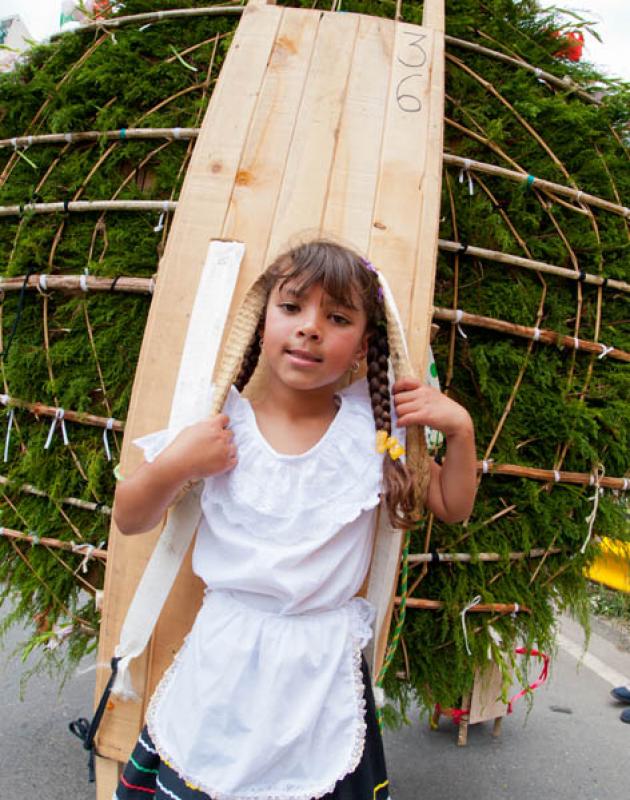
<point>385,442</point>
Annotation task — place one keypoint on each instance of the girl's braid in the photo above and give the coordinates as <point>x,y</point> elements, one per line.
<point>378,381</point>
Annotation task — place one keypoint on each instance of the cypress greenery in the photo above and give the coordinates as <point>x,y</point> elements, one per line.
<point>79,351</point>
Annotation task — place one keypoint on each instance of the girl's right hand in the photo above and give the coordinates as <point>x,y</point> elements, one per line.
<point>203,449</point>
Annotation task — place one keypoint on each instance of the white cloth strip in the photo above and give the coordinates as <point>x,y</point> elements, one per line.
<point>579,196</point>
<point>590,519</point>
<point>458,318</point>
<point>605,351</point>
<point>485,466</point>
<point>4,399</point>
<point>537,333</point>
<point>474,602</point>
<point>68,138</point>
<point>160,226</point>
<point>556,476</point>
<point>177,133</point>
<point>624,488</point>
<point>191,403</point>
<point>59,415</point>
<point>43,282</point>
<point>83,283</point>
<point>8,436</point>
<point>108,427</point>
<point>576,343</point>
<point>165,205</point>
<point>517,608</point>
<point>14,143</point>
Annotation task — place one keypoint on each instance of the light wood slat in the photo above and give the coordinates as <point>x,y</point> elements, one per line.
<point>355,170</point>
<point>199,218</point>
<point>301,206</point>
<point>249,219</point>
<point>404,245</point>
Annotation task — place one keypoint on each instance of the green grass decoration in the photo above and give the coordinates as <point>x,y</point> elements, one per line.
<point>535,405</point>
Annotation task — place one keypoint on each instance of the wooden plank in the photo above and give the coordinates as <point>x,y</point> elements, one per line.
<point>485,702</point>
<point>301,206</point>
<point>354,175</point>
<point>199,218</point>
<point>404,242</point>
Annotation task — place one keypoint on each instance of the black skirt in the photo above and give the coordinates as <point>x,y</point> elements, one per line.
<point>146,776</point>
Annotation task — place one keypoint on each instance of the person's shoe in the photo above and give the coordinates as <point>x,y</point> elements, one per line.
<point>621,693</point>
<point>625,715</point>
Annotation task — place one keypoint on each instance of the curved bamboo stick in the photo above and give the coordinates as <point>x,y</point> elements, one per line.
<point>437,605</point>
<point>41,410</point>
<point>566,83</point>
<point>84,549</point>
<point>69,501</point>
<point>528,263</point>
<point>150,17</point>
<point>539,183</point>
<point>525,332</point>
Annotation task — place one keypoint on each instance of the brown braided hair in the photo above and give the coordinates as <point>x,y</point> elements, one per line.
<point>343,274</point>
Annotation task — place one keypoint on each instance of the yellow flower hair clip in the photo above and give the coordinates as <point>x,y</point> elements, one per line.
<point>386,442</point>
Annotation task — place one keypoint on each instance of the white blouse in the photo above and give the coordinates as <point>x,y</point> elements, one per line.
<point>264,701</point>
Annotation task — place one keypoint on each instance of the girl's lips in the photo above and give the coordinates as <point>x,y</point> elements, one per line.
<point>303,356</point>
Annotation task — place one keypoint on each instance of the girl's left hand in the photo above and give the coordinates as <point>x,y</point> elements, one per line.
<point>417,404</point>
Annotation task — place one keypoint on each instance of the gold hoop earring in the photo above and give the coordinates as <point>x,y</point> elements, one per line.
<point>354,367</point>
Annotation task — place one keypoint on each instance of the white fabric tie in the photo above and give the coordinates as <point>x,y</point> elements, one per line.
<point>458,318</point>
<point>590,519</point>
<point>474,602</point>
<point>108,427</point>
<point>576,343</point>
<point>59,415</point>
<point>485,466</point>
<point>8,436</point>
<point>556,476</point>
<point>466,169</point>
<point>43,282</point>
<point>68,138</point>
<point>605,351</point>
<point>536,336</point>
<point>83,282</point>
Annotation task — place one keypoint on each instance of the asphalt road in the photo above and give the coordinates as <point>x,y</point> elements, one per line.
<point>572,745</point>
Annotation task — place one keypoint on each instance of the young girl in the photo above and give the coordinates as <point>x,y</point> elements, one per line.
<point>269,698</point>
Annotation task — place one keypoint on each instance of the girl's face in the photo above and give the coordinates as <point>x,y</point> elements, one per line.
<point>310,340</point>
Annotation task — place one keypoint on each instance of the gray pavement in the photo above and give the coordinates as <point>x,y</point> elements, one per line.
<point>572,745</point>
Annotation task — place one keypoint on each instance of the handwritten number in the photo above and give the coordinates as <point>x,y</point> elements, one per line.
<point>407,101</point>
<point>416,44</point>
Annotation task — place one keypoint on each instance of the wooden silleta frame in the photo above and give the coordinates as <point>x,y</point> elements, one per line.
<point>320,123</point>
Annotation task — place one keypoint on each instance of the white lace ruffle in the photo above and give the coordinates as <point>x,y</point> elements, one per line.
<point>281,497</point>
<point>361,613</point>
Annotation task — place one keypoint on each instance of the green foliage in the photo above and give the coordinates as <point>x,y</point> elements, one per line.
<point>570,405</point>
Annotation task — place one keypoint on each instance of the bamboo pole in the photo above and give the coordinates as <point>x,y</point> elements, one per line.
<point>437,605</point>
<point>69,501</point>
<point>525,332</point>
<point>41,410</point>
<point>539,183</point>
<point>81,283</point>
<point>566,83</point>
<point>121,134</point>
<point>528,263</point>
<point>85,550</point>
<point>150,17</point>
<point>82,206</point>
<point>450,558</point>
<point>552,476</point>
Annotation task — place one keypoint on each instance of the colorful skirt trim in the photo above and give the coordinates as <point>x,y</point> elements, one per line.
<point>147,777</point>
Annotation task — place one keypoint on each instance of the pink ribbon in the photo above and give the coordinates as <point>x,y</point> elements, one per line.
<point>522,651</point>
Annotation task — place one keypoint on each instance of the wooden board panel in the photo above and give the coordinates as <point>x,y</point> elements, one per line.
<point>307,133</point>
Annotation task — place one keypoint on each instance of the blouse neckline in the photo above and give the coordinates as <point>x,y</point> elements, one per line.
<point>293,456</point>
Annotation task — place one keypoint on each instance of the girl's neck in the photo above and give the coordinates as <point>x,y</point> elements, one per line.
<point>282,401</point>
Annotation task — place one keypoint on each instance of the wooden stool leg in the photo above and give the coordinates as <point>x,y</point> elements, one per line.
<point>462,735</point>
<point>434,719</point>
<point>496,728</point>
<point>107,777</point>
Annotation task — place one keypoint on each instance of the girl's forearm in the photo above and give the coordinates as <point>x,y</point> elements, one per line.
<point>141,500</point>
<point>454,485</point>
